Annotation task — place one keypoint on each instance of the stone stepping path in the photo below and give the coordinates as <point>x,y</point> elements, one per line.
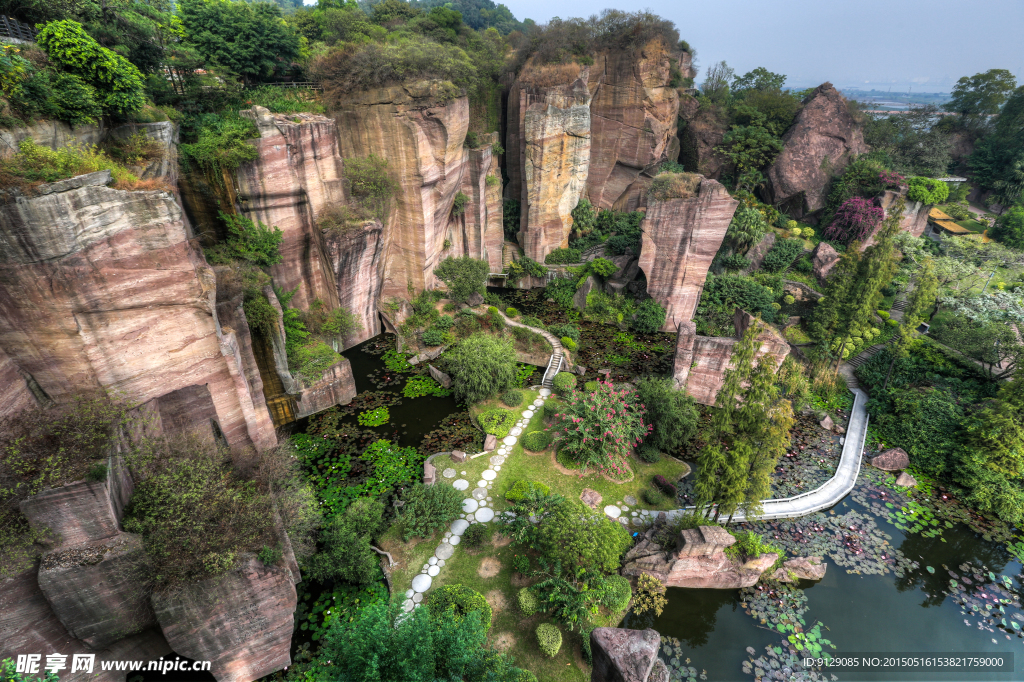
<point>477,508</point>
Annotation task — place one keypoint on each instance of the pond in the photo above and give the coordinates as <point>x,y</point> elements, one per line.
<point>862,613</point>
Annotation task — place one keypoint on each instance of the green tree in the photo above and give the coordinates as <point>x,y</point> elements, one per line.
<point>370,184</point>
<point>1009,228</point>
<point>464,276</point>
<point>598,428</point>
<point>481,366</point>
<point>996,154</point>
<point>981,94</point>
<point>671,411</point>
<point>750,147</point>
<point>758,79</point>
<point>249,39</point>
<point>649,318</point>
<point>116,79</point>
<point>910,143</point>
<point>250,242</point>
<point>383,645</point>
<point>347,552</point>
<point>579,537</point>
<point>919,304</point>
<point>716,82</point>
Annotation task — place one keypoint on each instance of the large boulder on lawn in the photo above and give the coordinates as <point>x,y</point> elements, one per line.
<point>893,459</point>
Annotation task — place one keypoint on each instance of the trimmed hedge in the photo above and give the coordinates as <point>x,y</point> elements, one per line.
<point>564,382</point>
<point>652,496</point>
<point>590,386</point>
<point>549,637</point>
<point>512,398</point>
<point>462,600</point>
<point>511,312</point>
<point>618,594</point>
<point>497,421</point>
<point>520,489</point>
<point>536,441</point>
<point>527,601</point>
<point>568,343</point>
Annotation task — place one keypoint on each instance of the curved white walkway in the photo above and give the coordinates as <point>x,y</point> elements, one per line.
<point>834,489</point>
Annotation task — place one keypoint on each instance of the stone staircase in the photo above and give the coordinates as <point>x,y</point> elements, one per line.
<point>865,355</point>
<point>554,367</point>
<point>509,252</point>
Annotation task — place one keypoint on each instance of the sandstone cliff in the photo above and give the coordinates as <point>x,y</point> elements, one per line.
<point>548,141</point>
<point>420,129</point>
<point>356,257</point>
<point>633,116</point>
<point>823,139</point>
<point>100,288</point>
<point>701,361</point>
<point>700,131</point>
<point>680,239</point>
<point>479,231</point>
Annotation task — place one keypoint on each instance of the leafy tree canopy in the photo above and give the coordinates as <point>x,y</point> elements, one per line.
<point>758,79</point>
<point>981,94</point>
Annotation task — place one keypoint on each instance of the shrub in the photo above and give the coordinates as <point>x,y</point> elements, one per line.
<point>537,441</point>
<point>527,601</point>
<point>512,398</point>
<point>1009,228</point>
<point>789,299</point>
<point>97,472</point>
<point>549,638</point>
<point>792,224</point>
<point>522,490</point>
<point>664,486</point>
<point>725,293</point>
<point>464,276</point>
<point>648,453</point>
<point>568,343</point>
<point>617,593</point>
<point>808,232</point>
<point>854,220</point>
<point>474,535</point>
<point>497,421</point>
<point>36,163</point>
<point>796,232</point>
<point>581,538</point>
<point>460,601</point>
<point>956,211</point>
<point>428,509</point>
<point>884,314</point>
<point>653,497</point>
<point>459,204</point>
<point>650,315</point>
<point>561,290</point>
<point>805,265</point>
<point>735,262</point>
<point>221,146</point>
<point>927,190</point>
<point>782,255</point>
<point>550,408</point>
<point>649,595</point>
<point>250,242</point>
<point>481,366</point>
<point>671,413</point>
<point>346,554</point>
<point>590,386</point>
<point>598,429</point>
<point>563,256</point>
<point>564,382</point>
<point>892,323</point>
<point>511,312</point>
<point>269,556</point>
<point>570,330</point>
<point>436,337</point>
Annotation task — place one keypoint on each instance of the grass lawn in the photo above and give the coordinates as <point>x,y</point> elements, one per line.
<point>488,569</point>
<point>972,225</point>
<point>797,335</point>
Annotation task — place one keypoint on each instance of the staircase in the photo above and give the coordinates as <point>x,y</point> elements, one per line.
<point>554,367</point>
<point>865,355</point>
<point>509,252</point>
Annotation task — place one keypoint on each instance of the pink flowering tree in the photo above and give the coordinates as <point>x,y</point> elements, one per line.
<point>599,428</point>
<point>891,179</point>
<point>854,220</point>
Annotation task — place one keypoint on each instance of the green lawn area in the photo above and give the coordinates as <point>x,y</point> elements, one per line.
<point>972,225</point>
<point>488,570</point>
<point>797,335</point>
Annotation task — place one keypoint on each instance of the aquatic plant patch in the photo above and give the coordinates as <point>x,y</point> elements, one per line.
<point>341,604</point>
<point>678,663</point>
<point>455,432</point>
<point>375,417</point>
<point>417,387</point>
<point>367,400</point>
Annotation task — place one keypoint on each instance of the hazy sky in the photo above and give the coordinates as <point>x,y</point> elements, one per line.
<point>924,44</point>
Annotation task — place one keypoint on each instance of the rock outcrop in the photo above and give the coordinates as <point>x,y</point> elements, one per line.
<point>700,132</point>
<point>700,361</point>
<point>240,621</point>
<point>100,288</point>
<point>633,116</point>
<point>622,655</point>
<point>420,129</point>
<point>824,258</point>
<point>548,151</point>
<point>479,230</point>
<point>915,214</point>
<point>893,459</point>
<point>800,568</point>
<point>337,386</point>
<point>49,134</point>
<point>680,239</point>
<point>356,257</point>
<point>697,558</point>
<point>823,139</point>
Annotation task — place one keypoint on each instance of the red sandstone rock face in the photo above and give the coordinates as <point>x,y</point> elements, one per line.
<point>622,655</point>
<point>17,394</point>
<point>240,621</point>
<point>701,361</point>
<point>100,288</point>
<point>356,257</point>
<point>680,239</point>
<point>420,131</point>
<point>633,117</point>
<point>915,214</point>
<point>702,132</point>
<point>336,387</point>
<point>823,139</point>
<point>297,175</point>
<point>824,258</point>
<point>479,231</point>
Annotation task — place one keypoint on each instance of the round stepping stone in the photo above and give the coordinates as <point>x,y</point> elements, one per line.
<point>528,414</point>
<point>432,560</point>
<point>417,598</point>
<point>447,534</point>
<point>481,483</point>
<point>469,517</point>
<point>632,513</point>
<point>448,473</point>
<point>509,440</point>
<point>421,583</point>
<point>456,539</point>
<point>488,499</point>
<point>433,570</point>
<point>612,511</point>
<point>497,467</point>
<point>488,475</point>
<point>480,493</point>
<point>440,562</point>
<point>629,499</point>
<point>469,505</point>
<point>516,431</point>
<point>408,605</point>
<point>484,514</point>
<point>426,566</point>
<point>638,521</point>
<point>545,392</point>
<point>409,593</point>
<point>483,503</point>
<point>460,484</point>
<point>444,551</point>
<point>538,402</point>
<point>625,508</point>
<point>459,527</point>
<point>497,459</point>
<point>502,451</point>
<point>463,473</point>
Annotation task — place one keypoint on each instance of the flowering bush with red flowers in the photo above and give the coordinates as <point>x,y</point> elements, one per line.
<point>599,428</point>
<point>854,220</point>
<point>891,178</point>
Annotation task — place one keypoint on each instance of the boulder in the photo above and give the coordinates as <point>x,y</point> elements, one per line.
<point>905,480</point>
<point>429,473</point>
<point>591,498</point>
<point>659,672</point>
<point>892,459</point>
<point>474,300</point>
<point>458,456</point>
<point>580,370</point>
<point>680,239</point>
<point>801,568</point>
<point>622,655</point>
<point>240,621</point>
<point>823,139</point>
<point>827,423</point>
<point>824,258</point>
<point>440,377</point>
<point>490,442</point>
<point>99,590</point>
<point>756,254</point>
<point>704,541</point>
